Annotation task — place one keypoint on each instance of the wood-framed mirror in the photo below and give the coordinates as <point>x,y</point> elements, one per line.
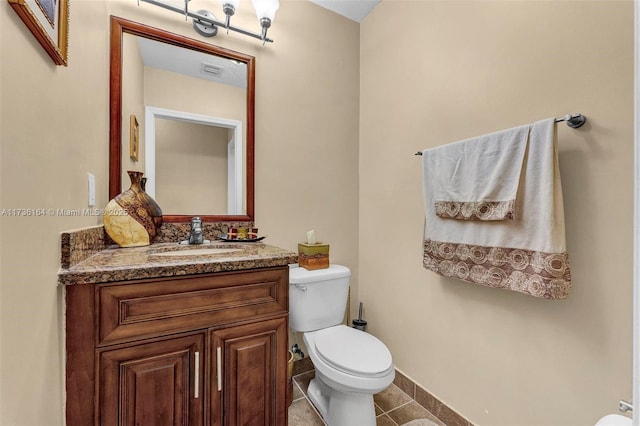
<point>196,145</point>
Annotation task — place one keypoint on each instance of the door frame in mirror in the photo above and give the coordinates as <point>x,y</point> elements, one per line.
<point>120,26</point>
<point>235,150</point>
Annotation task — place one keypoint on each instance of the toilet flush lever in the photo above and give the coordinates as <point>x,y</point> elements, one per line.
<point>625,406</point>
<point>301,287</point>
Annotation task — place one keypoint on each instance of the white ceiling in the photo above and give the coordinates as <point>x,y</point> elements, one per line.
<point>188,62</point>
<point>355,10</point>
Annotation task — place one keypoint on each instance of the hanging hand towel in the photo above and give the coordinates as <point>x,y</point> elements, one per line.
<point>526,254</point>
<point>477,179</point>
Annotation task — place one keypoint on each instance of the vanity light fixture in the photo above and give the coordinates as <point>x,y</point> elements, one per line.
<point>206,24</point>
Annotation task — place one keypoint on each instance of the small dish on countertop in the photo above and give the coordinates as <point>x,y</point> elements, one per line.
<point>224,237</point>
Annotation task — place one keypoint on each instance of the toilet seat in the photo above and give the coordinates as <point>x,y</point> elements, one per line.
<point>353,352</point>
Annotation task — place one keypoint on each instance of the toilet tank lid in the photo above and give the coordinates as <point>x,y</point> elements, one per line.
<point>299,275</point>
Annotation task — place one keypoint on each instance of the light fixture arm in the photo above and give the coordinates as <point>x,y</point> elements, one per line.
<point>229,10</point>
<point>227,22</point>
<point>265,23</point>
<point>213,22</point>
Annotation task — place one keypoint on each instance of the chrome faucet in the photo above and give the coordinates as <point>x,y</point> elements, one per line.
<point>195,234</point>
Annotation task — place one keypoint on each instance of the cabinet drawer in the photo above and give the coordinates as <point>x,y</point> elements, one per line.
<point>130,311</point>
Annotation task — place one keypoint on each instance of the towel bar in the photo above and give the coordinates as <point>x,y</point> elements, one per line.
<point>573,120</point>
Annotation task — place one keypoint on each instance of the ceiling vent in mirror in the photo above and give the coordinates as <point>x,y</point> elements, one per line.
<point>211,69</point>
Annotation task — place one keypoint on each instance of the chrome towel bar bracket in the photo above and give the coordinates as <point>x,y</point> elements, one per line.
<point>573,120</point>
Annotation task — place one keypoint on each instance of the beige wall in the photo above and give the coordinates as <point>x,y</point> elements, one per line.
<point>192,156</point>
<point>55,130</point>
<point>448,70</point>
<point>170,90</point>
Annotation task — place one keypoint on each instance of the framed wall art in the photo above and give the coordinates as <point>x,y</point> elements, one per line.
<point>134,138</point>
<point>48,21</point>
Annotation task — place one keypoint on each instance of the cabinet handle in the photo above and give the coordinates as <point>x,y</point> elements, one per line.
<point>219,367</point>
<point>196,378</point>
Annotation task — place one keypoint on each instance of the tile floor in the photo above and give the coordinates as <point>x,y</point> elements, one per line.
<point>393,407</point>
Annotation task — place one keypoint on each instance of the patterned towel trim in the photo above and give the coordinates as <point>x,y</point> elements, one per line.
<point>472,210</point>
<point>536,273</point>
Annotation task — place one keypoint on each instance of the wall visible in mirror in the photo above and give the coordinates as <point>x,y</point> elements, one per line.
<point>165,89</point>
<point>191,167</point>
<point>132,103</point>
<point>187,94</point>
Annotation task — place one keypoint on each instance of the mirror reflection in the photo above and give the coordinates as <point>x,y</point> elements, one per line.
<point>186,120</point>
<point>202,153</point>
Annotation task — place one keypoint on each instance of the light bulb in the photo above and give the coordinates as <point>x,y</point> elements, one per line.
<point>234,3</point>
<point>266,9</point>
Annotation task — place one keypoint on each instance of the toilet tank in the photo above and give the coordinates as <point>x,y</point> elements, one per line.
<point>317,298</point>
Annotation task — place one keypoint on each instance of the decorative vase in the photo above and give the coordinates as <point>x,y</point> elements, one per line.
<point>132,218</point>
<point>152,207</point>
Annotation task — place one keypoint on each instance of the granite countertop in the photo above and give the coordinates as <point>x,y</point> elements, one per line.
<point>120,264</point>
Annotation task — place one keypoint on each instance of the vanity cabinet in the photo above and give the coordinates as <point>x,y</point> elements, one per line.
<point>206,349</point>
<point>248,377</point>
<point>155,383</point>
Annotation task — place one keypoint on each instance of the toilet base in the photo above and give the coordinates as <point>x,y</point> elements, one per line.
<point>342,408</point>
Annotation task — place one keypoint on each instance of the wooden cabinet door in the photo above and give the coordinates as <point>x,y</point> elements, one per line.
<point>158,383</point>
<point>249,374</point>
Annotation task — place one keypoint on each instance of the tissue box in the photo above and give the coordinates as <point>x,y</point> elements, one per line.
<point>313,256</point>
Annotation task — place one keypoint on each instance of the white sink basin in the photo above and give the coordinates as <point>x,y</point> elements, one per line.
<point>195,252</point>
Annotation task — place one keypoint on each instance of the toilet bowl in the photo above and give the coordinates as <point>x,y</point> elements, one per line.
<point>350,365</point>
<point>351,360</point>
<point>614,420</point>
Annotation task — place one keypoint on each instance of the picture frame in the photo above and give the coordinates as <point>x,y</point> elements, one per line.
<point>48,21</point>
<point>134,138</point>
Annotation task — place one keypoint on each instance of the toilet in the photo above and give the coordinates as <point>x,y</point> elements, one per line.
<point>350,365</point>
<point>614,420</point>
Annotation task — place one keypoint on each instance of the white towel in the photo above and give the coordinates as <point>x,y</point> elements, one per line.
<point>527,254</point>
<point>478,178</point>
